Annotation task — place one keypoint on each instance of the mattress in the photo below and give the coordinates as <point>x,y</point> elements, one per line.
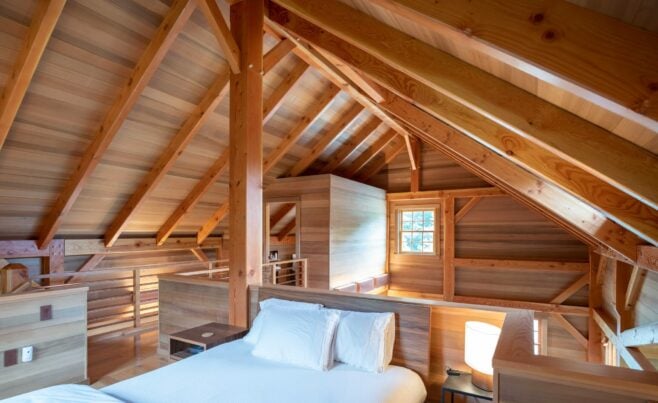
<point>229,373</point>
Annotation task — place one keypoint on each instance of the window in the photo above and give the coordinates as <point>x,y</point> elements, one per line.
<point>416,231</point>
<point>535,336</point>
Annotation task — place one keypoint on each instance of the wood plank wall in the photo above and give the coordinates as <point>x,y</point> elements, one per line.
<point>358,232</point>
<point>60,344</point>
<point>340,219</point>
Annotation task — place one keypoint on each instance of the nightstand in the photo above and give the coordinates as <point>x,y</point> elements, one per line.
<point>199,339</point>
<point>461,384</point>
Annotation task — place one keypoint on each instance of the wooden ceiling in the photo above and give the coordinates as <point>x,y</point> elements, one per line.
<point>114,114</point>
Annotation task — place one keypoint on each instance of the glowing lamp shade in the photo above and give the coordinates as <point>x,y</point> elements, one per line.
<point>480,343</point>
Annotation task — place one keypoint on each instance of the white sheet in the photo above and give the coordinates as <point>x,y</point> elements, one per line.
<point>64,394</point>
<point>229,373</point>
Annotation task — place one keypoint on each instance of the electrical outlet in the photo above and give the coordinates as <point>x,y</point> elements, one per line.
<point>27,354</point>
<point>11,357</point>
<point>46,312</point>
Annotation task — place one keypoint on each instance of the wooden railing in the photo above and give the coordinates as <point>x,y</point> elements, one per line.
<point>519,375</point>
<point>144,311</point>
<point>292,272</point>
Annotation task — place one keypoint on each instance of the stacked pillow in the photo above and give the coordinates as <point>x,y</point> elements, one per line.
<point>306,335</point>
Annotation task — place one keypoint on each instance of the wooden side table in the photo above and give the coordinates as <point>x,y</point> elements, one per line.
<point>198,339</point>
<point>461,384</point>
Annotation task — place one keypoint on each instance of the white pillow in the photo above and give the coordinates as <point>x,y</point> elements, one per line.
<point>254,332</point>
<point>302,338</point>
<point>365,340</point>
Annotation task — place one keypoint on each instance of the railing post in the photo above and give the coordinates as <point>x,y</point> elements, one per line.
<point>305,266</point>
<point>137,297</point>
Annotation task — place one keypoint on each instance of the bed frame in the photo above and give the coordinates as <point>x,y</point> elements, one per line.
<point>412,321</point>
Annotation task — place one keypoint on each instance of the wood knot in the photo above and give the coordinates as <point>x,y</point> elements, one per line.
<point>537,18</point>
<point>549,35</point>
<point>653,86</point>
<point>509,152</point>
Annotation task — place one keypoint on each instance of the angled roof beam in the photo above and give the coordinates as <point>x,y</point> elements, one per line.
<point>632,214</point>
<point>212,223</point>
<point>416,173</point>
<point>585,145</point>
<point>278,52</point>
<point>222,33</point>
<point>270,59</point>
<point>286,230</point>
<point>352,144</point>
<point>310,116</point>
<point>581,58</point>
<point>202,112</point>
<point>282,212</point>
<point>274,101</point>
<point>388,156</point>
<point>327,138</point>
<point>365,157</point>
<point>327,69</point>
<point>41,28</point>
<point>586,219</point>
<point>365,85</point>
<point>201,188</point>
<point>164,37</point>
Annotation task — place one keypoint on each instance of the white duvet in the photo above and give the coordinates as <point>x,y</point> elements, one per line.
<point>229,373</point>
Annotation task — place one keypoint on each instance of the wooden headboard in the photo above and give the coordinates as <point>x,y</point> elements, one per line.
<point>412,321</point>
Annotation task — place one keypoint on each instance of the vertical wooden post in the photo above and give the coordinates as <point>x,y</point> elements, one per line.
<point>416,150</point>
<point>246,159</point>
<point>622,278</point>
<point>54,262</point>
<point>137,297</point>
<point>448,221</point>
<point>594,347</point>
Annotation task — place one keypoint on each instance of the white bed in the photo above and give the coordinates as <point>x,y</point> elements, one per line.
<point>229,373</point>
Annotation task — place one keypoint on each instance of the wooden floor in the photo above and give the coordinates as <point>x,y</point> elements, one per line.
<point>117,359</point>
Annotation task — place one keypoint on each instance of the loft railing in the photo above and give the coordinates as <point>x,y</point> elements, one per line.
<point>293,272</point>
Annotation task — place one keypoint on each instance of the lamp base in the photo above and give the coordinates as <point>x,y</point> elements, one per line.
<point>482,380</point>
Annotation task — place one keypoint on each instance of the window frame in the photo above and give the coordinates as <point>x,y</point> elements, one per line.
<point>398,229</point>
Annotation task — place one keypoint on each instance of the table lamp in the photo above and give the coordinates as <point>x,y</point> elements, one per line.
<point>480,343</point>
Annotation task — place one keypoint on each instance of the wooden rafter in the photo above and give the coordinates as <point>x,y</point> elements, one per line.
<point>327,138</point>
<point>600,153</point>
<point>222,33</point>
<point>202,112</point>
<point>41,28</point>
<point>365,157</point>
<point>571,290</point>
<point>270,59</point>
<point>581,219</point>
<point>201,188</point>
<point>352,144</point>
<point>467,208</point>
<point>366,86</point>
<point>278,52</point>
<point>279,214</point>
<point>328,70</point>
<point>287,229</point>
<point>272,103</point>
<point>210,224</point>
<point>388,156</point>
<point>516,33</point>
<point>311,115</point>
<point>164,37</point>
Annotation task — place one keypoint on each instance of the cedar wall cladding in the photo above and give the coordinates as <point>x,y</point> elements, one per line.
<point>340,219</point>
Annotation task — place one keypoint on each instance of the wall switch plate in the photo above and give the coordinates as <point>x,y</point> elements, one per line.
<point>46,312</point>
<point>11,357</point>
<point>27,353</point>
